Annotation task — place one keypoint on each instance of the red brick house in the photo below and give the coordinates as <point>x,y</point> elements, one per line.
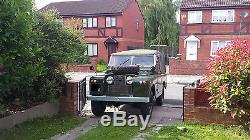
<point>109,25</point>
<point>206,26</point>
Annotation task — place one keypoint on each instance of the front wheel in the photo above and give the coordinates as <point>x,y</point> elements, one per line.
<point>160,99</point>
<point>147,108</point>
<point>98,108</point>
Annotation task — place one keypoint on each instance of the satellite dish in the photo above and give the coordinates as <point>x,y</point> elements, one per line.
<point>243,14</point>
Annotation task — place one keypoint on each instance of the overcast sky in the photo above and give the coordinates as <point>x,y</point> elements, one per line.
<point>42,3</point>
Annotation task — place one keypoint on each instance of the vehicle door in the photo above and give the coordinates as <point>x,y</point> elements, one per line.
<point>158,85</point>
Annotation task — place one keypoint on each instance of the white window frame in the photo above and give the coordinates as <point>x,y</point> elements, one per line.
<point>222,13</point>
<point>90,22</point>
<point>94,49</point>
<point>218,45</point>
<point>192,14</point>
<point>110,21</point>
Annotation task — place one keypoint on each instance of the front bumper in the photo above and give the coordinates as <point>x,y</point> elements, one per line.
<point>119,99</point>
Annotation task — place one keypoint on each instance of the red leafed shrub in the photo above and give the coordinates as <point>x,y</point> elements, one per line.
<point>229,80</point>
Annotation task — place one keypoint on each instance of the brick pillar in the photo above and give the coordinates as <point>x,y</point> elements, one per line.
<point>69,99</point>
<point>189,95</point>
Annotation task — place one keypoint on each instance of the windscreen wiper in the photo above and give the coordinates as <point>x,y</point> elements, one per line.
<point>124,62</point>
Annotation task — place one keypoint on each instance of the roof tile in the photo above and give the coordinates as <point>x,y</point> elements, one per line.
<point>190,4</point>
<point>89,7</point>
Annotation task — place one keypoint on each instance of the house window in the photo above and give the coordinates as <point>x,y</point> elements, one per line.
<point>89,22</point>
<point>216,45</point>
<point>223,16</point>
<point>194,16</point>
<point>110,21</point>
<point>92,49</point>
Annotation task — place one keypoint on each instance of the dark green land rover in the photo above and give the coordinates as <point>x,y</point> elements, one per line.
<point>134,77</point>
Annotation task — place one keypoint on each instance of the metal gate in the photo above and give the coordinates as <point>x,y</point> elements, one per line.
<point>81,95</point>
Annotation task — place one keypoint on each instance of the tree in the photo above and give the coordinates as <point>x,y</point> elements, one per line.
<point>58,45</point>
<point>160,22</point>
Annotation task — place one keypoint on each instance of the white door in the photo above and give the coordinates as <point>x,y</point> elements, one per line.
<point>191,50</point>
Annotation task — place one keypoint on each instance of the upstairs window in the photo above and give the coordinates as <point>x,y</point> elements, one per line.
<point>92,49</point>
<point>194,16</point>
<point>110,21</point>
<point>89,22</point>
<point>216,45</point>
<point>223,16</point>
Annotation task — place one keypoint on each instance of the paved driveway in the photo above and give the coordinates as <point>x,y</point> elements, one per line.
<point>169,112</point>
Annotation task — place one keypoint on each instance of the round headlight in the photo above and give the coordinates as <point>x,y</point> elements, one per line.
<point>129,80</point>
<point>110,80</point>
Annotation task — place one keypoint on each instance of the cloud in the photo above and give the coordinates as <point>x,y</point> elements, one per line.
<point>41,3</point>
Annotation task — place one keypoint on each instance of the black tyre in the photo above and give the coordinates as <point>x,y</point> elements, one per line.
<point>147,108</point>
<point>98,108</point>
<point>160,99</point>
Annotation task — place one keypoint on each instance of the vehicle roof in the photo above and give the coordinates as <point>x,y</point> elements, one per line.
<point>137,52</point>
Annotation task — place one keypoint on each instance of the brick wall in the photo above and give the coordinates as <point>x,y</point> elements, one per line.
<point>187,67</point>
<point>196,108</point>
<point>75,67</point>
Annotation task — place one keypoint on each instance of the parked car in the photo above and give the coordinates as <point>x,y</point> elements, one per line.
<point>135,76</point>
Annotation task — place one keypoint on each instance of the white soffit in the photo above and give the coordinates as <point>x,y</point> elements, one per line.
<point>192,38</point>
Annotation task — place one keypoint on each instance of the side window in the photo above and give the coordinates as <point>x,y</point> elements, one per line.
<point>223,16</point>
<point>216,45</point>
<point>92,50</point>
<point>110,21</point>
<point>194,17</point>
<point>89,22</point>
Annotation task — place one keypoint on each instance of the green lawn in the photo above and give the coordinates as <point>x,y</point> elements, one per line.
<point>201,132</point>
<point>41,128</point>
<point>110,133</point>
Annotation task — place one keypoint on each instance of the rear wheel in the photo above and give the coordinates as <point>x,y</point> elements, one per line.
<point>98,108</point>
<point>160,99</point>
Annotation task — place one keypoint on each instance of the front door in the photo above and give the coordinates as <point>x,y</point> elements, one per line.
<point>191,50</point>
<point>112,48</point>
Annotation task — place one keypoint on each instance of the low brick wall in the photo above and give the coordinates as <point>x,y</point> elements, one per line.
<point>76,68</point>
<point>46,109</point>
<point>196,108</point>
<point>187,67</point>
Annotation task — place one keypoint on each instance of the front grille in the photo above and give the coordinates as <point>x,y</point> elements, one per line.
<point>119,86</point>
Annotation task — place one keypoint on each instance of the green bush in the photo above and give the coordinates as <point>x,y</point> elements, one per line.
<point>17,50</point>
<point>32,47</point>
<point>101,65</point>
<point>229,81</point>
<point>58,45</point>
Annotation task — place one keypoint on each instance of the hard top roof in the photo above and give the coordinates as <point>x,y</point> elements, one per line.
<point>137,52</point>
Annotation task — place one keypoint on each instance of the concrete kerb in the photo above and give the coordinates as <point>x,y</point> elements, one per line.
<point>46,109</point>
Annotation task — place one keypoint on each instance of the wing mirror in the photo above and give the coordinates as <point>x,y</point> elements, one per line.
<point>91,68</point>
